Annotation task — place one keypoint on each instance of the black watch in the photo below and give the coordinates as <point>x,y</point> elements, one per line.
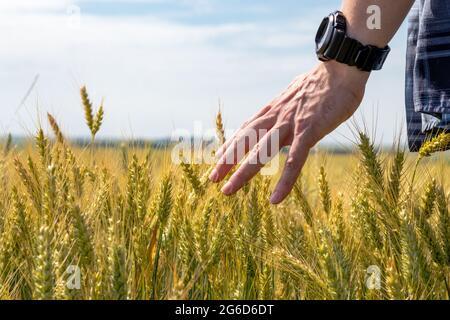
<point>332,43</point>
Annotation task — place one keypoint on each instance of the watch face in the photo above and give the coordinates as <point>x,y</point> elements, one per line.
<point>324,35</point>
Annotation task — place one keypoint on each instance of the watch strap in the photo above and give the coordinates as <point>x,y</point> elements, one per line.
<point>366,58</point>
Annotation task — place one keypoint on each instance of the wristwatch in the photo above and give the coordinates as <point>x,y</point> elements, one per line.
<point>332,43</point>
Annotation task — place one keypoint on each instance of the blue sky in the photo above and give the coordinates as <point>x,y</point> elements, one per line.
<point>163,65</point>
<point>210,11</point>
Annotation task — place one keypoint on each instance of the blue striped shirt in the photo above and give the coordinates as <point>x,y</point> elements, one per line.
<point>428,71</point>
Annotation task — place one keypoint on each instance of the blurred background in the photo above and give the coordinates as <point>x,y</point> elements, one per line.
<point>162,65</point>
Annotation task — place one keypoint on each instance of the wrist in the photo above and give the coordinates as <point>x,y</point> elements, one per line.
<point>347,73</point>
<point>357,29</point>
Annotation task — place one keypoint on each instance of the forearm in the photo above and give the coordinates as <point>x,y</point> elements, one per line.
<point>393,12</point>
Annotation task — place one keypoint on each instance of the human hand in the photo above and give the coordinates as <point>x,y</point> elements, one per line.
<point>314,105</point>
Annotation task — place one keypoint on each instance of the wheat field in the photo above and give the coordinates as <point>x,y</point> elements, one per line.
<point>131,225</point>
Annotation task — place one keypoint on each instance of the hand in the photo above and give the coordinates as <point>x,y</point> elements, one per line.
<point>314,105</point>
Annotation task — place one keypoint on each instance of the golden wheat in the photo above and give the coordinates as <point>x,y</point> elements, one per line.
<point>138,227</point>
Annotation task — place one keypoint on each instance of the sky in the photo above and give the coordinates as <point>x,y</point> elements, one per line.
<point>163,65</point>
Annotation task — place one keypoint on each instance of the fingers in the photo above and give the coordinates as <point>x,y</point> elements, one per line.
<point>227,144</point>
<point>235,152</point>
<point>261,154</point>
<point>298,154</point>
<point>235,149</point>
<point>282,99</point>
<point>243,141</point>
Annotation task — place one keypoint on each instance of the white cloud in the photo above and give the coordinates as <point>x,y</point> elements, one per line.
<point>156,75</point>
<point>8,6</point>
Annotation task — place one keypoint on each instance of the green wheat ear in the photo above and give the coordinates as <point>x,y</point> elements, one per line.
<point>324,191</point>
<point>428,199</point>
<point>371,162</point>
<point>444,221</point>
<point>43,147</point>
<point>192,176</point>
<point>118,274</point>
<point>8,145</point>
<point>164,207</point>
<point>43,276</point>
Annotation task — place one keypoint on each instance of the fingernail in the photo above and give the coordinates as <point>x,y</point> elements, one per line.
<point>214,176</point>
<point>227,188</point>
<point>275,198</point>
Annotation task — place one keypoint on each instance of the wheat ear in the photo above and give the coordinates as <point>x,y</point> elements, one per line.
<point>56,129</point>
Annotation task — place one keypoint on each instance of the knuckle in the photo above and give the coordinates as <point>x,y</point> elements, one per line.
<point>245,124</point>
<point>283,123</point>
<point>270,118</point>
<point>261,122</point>
<point>307,135</point>
<point>241,176</point>
<point>237,177</point>
<point>284,184</point>
<point>256,150</point>
<point>291,163</point>
<point>266,109</point>
<point>239,137</point>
